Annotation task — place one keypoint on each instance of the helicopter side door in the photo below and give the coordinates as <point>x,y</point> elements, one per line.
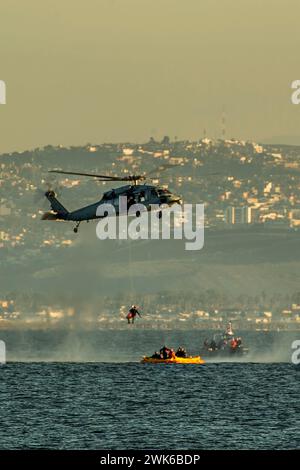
<point>152,196</point>
<point>115,203</point>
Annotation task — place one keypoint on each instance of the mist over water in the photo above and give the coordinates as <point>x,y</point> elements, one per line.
<point>131,344</point>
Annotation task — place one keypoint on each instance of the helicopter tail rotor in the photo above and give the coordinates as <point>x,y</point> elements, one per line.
<point>56,206</point>
<point>50,186</point>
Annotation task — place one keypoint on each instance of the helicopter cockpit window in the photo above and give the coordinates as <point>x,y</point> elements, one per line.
<point>109,195</point>
<point>105,197</point>
<point>163,192</point>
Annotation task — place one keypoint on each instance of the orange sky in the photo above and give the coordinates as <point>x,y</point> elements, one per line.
<point>122,70</point>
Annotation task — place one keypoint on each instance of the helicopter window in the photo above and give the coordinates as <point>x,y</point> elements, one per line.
<point>109,195</point>
<point>142,196</point>
<point>163,192</point>
<point>153,193</point>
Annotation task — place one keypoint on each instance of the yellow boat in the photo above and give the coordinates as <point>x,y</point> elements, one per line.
<point>175,360</point>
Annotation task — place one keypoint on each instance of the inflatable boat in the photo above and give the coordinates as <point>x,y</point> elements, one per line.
<point>173,360</point>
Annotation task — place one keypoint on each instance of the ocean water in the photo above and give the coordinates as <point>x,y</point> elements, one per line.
<point>144,406</point>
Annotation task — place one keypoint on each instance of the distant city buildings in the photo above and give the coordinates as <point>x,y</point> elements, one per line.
<point>238,215</point>
<point>294,217</point>
<point>241,184</point>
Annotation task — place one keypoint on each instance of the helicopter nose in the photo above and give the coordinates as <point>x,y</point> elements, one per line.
<point>175,198</point>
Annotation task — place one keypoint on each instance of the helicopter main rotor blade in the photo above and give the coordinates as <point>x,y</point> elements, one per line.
<point>76,173</point>
<point>100,177</point>
<point>157,170</point>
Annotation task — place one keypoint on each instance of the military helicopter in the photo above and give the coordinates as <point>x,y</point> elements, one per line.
<point>145,194</point>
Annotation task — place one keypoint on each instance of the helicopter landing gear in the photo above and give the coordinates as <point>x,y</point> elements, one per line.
<point>75,229</point>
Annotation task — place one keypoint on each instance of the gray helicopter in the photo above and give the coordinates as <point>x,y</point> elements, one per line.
<point>145,194</point>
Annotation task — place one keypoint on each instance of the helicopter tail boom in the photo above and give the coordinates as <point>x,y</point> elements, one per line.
<point>50,216</point>
<point>56,206</point>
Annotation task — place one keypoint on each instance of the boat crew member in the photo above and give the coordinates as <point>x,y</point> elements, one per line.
<point>156,355</point>
<point>181,352</point>
<point>165,352</point>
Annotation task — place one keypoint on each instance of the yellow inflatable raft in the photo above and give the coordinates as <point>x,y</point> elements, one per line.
<point>175,360</point>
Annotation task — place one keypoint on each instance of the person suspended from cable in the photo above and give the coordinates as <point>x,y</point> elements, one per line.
<point>133,312</point>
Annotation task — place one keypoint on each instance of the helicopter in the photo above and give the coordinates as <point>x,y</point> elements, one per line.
<point>143,193</point>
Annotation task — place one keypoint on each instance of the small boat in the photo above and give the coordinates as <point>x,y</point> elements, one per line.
<point>173,360</point>
<point>224,345</point>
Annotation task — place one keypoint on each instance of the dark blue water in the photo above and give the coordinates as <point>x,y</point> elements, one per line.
<point>135,406</point>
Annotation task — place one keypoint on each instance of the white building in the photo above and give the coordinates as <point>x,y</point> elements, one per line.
<point>238,215</point>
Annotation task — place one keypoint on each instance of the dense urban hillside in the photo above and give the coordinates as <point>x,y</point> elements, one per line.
<point>248,268</point>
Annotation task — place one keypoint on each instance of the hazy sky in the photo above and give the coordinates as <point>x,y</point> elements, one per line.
<point>116,70</point>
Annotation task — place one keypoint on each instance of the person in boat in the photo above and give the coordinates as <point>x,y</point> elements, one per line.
<point>181,352</point>
<point>233,344</point>
<point>221,343</point>
<point>210,345</point>
<point>165,352</point>
<point>156,355</point>
<point>133,312</point>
